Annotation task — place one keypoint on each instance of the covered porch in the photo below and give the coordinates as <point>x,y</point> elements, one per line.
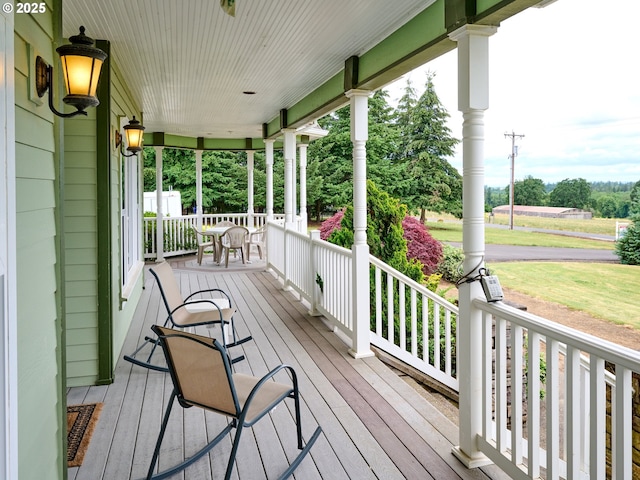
<point>375,424</point>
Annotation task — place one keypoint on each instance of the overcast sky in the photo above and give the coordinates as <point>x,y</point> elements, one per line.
<point>567,76</point>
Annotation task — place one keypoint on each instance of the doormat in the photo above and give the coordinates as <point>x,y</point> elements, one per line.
<point>81,421</point>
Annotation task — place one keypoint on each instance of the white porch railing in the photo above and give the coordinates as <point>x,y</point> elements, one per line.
<point>588,410</point>
<point>408,321</point>
<point>178,236</point>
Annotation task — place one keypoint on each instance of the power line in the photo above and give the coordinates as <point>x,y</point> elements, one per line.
<point>514,152</point>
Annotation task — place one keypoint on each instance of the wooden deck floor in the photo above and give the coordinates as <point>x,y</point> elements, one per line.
<point>374,424</point>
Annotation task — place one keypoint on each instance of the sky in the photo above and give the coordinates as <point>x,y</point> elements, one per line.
<point>567,77</point>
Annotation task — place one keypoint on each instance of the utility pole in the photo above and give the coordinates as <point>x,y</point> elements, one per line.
<point>514,152</point>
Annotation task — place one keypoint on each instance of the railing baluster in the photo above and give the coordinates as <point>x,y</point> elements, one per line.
<point>414,324</point>
<point>573,367</point>
<point>487,377</point>
<point>623,421</point>
<point>553,408</point>
<point>390,313</point>
<point>425,329</point>
<point>516,394</point>
<point>501,383</point>
<point>597,426</point>
<point>436,335</point>
<point>447,342</point>
<point>403,316</point>
<point>533,404</point>
<point>378,278</point>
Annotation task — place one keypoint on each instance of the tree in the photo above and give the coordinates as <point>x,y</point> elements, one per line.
<point>427,142</point>
<point>330,164</point>
<point>575,193</point>
<point>607,205</point>
<point>634,208</point>
<point>628,247</point>
<point>530,191</point>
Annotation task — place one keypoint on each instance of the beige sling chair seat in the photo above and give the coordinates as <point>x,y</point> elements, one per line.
<point>201,373</point>
<point>189,312</point>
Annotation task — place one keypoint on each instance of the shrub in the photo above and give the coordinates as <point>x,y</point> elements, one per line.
<point>330,224</point>
<point>628,247</point>
<point>451,265</point>
<point>422,246</point>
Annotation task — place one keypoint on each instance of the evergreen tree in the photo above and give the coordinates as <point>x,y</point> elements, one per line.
<point>433,182</point>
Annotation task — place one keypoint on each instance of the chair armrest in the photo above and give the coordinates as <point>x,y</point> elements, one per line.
<point>209,290</point>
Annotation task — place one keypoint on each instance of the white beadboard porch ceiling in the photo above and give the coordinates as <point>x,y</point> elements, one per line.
<point>187,63</point>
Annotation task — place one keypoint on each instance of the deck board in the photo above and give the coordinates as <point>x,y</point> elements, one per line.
<point>374,424</point>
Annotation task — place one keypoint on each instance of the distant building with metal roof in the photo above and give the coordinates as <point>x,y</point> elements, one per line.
<point>552,212</point>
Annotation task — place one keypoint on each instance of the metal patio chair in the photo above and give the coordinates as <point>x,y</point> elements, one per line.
<point>190,312</point>
<point>202,377</point>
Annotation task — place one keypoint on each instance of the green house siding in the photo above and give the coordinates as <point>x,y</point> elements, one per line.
<point>40,383</point>
<point>81,265</point>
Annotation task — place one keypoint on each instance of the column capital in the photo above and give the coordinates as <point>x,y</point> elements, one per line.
<point>473,29</point>
<point>356,92</point>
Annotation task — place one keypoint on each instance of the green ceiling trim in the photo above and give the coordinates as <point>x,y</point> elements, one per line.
<point>420,33</point>
<point>327,97</point>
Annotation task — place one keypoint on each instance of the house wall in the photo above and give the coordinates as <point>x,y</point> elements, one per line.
<point>93,196</point>
<point>80,244</point>
<point>40,384</point>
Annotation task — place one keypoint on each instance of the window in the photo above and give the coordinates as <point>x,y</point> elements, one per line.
<point>130,218</point>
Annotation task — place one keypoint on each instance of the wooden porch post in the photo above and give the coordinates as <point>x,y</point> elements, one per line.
<point>360,310</point>
<point>269,165</point>
<point>250,157</point>
<point>199,189</point>
<point>289,183</point>
<point>159,226</point>
<point>302,148</point>
<point>473,100</point>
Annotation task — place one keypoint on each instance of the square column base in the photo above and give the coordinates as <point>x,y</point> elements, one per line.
<point>469,462</point>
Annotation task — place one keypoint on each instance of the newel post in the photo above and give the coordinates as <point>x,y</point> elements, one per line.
<point>473,100</point>
<point>360,346</point>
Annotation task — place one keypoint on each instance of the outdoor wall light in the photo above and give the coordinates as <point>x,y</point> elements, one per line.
<point>134,132</point>
<point>81,64</point>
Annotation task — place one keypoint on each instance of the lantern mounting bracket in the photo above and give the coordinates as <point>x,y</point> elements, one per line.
<point>44,82</point>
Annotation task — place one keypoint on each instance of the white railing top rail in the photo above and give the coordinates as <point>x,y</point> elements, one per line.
<point>332,247</point>
<point>413,284</point>
<point>585,342</point>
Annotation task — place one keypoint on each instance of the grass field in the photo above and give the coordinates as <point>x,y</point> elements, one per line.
<point>603,290</point>
<point>452,232</point>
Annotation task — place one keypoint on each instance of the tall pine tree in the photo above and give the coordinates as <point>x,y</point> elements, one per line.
<point>433,183</point>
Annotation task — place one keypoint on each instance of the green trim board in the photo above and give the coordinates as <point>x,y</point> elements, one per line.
<point>103,216</point>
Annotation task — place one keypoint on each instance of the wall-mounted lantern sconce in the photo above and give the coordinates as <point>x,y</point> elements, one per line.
<point>81,64</point>
<point>134,132</point>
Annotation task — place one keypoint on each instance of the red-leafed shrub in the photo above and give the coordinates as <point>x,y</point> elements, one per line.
<point>331,224</point>
<point>421,245</point>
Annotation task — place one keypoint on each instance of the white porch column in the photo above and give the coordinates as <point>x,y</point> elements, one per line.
<point>159,226</point>
<point>199,189</point>
<point>302,148</point>
<point>269,166</point>
<point>289,177</point>
<point>359,133</point>
<point>250,157</point>
<point>473,100</point>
